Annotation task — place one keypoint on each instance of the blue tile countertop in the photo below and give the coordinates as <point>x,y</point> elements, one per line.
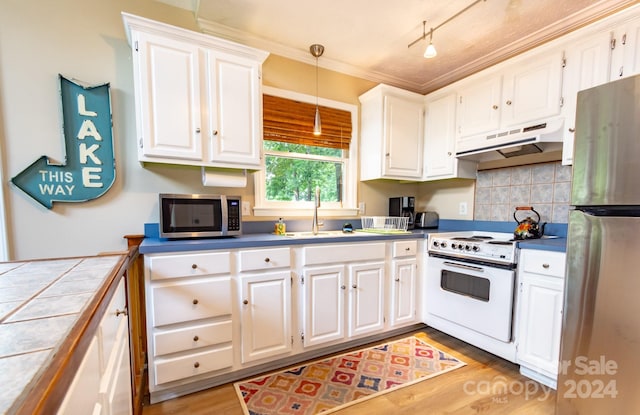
<point>258,234</point>
<point>40,302</point>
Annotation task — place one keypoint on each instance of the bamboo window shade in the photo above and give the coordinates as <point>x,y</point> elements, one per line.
<point>291,121</point>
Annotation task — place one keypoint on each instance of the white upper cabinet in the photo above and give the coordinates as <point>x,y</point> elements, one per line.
<point>198,98</point>
<point>440,161</point>
<point>392,134</point>
<point>525,90</point>
<point>625,49</point>
<point>587,65</point>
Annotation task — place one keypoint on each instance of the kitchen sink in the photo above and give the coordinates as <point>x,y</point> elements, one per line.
<point>322,234</point>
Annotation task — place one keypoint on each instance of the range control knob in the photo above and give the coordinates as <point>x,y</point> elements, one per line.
<point>443,244</point>
<point>467,248</point>
<point>436,244</point>
<point>476,248</point>
<point>454,246</point>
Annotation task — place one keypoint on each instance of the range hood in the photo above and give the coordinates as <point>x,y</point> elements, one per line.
<point>528,139</point>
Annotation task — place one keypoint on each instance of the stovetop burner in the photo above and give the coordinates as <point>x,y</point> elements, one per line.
<point>495,247</point>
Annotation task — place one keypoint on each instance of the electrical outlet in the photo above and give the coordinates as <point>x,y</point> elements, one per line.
<point>462,208</point>
<point>361,208</point>
<point>246,208</point>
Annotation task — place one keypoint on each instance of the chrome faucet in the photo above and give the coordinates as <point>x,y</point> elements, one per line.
<point>316,205</point>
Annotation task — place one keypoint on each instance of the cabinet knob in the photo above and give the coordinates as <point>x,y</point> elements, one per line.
<point>245,302</point>
<point>495,107</point>
<point>572,130</point>
<point>196,338</point>
<point>195,301</point>
<point>123,312</point>
<point>194,266</point>
<point>508,102</point>
<point>267,259</point>
<point>386,154</point>
<point>448,153</point>
<point>545,266</point>
<point>198,130</point>
<point>407,249</point>
<point>397,279</point>
<point>342,287</point>
<point>196,365</point>
<point>354,286</point>
<point>214,132</point>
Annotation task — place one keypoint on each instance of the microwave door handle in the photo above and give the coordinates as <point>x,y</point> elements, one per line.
<point>224,225</point>
<point>463,266</point>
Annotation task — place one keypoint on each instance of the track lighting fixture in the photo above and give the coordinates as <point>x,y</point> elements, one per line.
<point>430,51</point>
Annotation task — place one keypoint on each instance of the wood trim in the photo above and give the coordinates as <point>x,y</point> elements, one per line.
<point>47,392</point>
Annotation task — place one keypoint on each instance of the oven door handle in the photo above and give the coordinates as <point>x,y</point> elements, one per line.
<point>463,266</point>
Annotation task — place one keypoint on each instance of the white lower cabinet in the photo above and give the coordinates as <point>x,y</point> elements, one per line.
<point>214,314</point>
<point>102,384</point>
<point>404,274</point>
<point>189,300</point>
<point>541,297</point>
<point>343,291</point>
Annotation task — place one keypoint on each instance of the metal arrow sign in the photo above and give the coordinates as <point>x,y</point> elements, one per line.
<point>89,167</point>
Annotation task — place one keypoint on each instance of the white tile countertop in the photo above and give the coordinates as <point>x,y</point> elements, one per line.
<point>40,302</point>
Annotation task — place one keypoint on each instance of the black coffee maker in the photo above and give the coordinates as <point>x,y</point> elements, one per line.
<point>403,206</point>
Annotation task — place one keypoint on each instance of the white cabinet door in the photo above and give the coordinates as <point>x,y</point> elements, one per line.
<point>266,315</point>
<point>83,395</point>
<point>440,161</point>
<point>116,383</point>
<point>392,131</point>
<point>323,307</point>
<point>366,298</point>
<point>479,107</point>
<point>532,90</point>
<point>167,87</point>
<point>587,65</point>
<point>235,109</point>
<point>403,137</point>
<point>540,323</point>
<point>625,50</point>
<point>403,292</point>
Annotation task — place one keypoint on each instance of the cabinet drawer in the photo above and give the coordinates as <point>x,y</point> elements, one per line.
<point>191,337</point>
<point>327,254</point>
<point>543,262</point>
<point>175,302</point>
<point>188,265</point>
<point>263,259</point>
<point>405,248</point>
<point>195,364</point>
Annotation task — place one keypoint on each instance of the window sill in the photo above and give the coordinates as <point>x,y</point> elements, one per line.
<point>301,212</point>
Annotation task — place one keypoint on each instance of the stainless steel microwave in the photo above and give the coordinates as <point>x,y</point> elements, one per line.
<point>199,216</point>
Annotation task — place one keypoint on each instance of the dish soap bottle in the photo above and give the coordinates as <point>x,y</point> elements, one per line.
<point>280,227</point>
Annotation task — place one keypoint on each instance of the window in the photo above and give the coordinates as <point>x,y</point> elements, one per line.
<point>296,161</point>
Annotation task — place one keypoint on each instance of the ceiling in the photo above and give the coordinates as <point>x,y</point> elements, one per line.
<point>369,38</point>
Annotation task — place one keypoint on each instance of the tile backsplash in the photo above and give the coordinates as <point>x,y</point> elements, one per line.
<point>546,187</point>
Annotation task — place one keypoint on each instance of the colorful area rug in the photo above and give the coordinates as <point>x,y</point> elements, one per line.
<point>324,386</point>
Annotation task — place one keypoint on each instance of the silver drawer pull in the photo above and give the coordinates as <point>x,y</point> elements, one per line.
<point>463,266</point>
<point>545,266</point>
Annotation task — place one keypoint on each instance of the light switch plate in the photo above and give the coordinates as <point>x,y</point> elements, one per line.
<point>462,208</point>
<point>246,208</point>
<point>361,208</point>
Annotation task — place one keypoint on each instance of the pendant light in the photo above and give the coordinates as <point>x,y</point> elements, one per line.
<point>430,51</point>
<point>317,51</point>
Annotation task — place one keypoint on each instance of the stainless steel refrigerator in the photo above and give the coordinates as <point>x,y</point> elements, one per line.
<point>600,352</point>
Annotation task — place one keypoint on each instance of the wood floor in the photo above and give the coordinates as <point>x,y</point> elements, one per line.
<point>486,385</point>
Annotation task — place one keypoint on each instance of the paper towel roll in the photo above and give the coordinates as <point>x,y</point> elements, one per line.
<point>224,178</point>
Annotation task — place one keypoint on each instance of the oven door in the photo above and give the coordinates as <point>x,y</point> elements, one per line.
<point>478,297</point>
